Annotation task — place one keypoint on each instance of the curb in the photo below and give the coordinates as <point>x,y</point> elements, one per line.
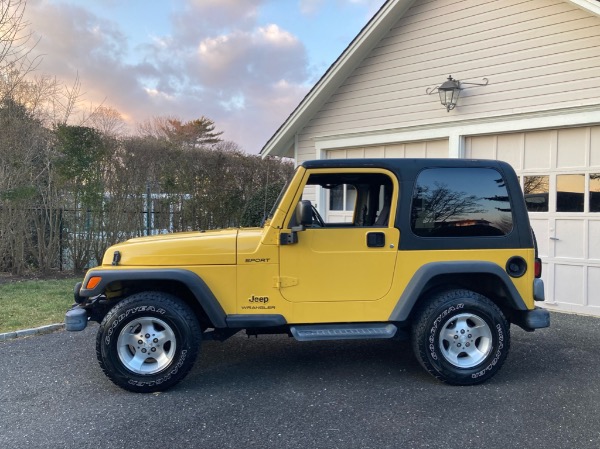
<point>34,331</point>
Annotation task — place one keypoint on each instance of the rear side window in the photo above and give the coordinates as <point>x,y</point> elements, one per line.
<point>461,202</point>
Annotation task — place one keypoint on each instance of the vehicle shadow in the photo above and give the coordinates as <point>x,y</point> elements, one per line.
<point>253,360</point>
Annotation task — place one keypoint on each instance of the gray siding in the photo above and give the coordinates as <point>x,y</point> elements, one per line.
<point>538,55</point>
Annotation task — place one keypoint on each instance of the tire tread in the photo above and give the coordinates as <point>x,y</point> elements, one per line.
<point>420,328</point>
<point>164,300</point>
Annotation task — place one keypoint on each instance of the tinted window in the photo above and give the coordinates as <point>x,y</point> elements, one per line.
<point>460,202</point>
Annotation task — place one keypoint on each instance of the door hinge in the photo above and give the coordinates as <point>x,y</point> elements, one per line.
<point>285,281</point>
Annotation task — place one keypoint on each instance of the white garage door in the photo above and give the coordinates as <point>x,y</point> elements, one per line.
<point>560,176</point>
<point>340,201</point>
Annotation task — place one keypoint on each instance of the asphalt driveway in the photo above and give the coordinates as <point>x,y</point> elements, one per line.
<point>274,392</point>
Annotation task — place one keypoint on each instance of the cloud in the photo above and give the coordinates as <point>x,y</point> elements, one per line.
<point>266,54</point>
<point>201,18</point>
<point>217,62</point>
<point>75,43</point>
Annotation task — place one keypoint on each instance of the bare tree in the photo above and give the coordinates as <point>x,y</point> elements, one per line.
<point>15,45</point>
<point>535,184</point>
<point>442,204</point>
<point>108,121</point>
<point>29,221</point>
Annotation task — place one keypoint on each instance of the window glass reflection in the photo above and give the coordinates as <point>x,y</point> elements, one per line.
<point>570,193</point>
<point>461,202</point>
<point>536,190</point>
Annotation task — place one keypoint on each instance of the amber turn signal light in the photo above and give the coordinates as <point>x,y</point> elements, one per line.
<point>93,282</point>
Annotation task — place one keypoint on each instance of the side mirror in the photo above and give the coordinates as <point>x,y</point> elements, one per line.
<point>302,217</point>
<point>304,213</point>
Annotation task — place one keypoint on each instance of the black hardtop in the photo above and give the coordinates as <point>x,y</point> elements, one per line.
<point>401,165</point>
<point>407,171</point>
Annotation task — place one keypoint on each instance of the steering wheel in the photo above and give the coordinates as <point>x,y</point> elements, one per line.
<point>316,218</point>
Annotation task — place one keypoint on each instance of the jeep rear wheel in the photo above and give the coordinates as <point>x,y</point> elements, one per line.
<point>461,337</point>
<point>148,342</point>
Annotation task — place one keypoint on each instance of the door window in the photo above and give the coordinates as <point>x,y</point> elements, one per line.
<point>342,198</point>
<point>364,198</point>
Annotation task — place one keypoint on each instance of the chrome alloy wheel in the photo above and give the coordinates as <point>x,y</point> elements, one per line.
<point>146,345</point>
<point>465,340</point>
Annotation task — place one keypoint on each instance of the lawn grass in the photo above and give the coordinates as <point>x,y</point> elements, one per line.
<point>33,303</point>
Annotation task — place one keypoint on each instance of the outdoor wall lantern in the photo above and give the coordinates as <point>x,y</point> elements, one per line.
<point>449,91</point>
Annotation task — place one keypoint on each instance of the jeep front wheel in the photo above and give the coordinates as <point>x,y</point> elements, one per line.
<point>461,337</point>
<point>148,342</point>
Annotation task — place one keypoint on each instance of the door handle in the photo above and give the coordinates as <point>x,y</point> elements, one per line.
<point>375,239</point>
<point>554,238</point>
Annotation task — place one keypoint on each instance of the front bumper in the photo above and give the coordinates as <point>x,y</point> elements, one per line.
<point>76,319</point>
<point>531,320</point>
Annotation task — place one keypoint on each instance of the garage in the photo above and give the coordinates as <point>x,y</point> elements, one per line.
<point>560,175</point>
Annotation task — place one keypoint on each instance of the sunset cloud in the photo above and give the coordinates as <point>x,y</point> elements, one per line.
<point>191,58</point>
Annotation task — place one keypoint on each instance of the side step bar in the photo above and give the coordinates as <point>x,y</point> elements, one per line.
<point>356,331</point>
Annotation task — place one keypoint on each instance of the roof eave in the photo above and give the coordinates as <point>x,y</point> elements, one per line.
<point>592,6</point>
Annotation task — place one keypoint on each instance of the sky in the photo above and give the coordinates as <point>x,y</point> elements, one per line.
<point>245,64</point>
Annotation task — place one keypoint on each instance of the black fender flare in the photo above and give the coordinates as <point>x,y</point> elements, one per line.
<point>192,281</point>
<point>423,275</point>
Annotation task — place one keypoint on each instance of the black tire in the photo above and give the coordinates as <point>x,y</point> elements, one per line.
<point>461,337</point>
<point>144,325</point>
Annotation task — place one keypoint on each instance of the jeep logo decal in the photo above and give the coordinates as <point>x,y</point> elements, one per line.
<point>262,299</point>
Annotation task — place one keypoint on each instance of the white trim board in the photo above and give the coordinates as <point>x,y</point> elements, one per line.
<point>457,130</point>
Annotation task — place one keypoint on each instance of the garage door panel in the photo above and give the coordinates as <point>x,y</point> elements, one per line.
<point>416,149</point>
<point>540,227</point>
<point>481,147</point>
<point>594,241</point>
<point>570,238</point>
<point>375,152</point>
<point>572,147</point>
<point>594,286</point>
<point>538,149</point>
<point>437,148</point>
<point>356,153</point>
<point>510,149</point>
<point>394,151</point>
<point>570,292</point>
<point>336,154</point>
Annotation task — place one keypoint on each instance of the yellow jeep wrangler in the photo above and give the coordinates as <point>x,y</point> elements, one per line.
<point>436,250</point>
